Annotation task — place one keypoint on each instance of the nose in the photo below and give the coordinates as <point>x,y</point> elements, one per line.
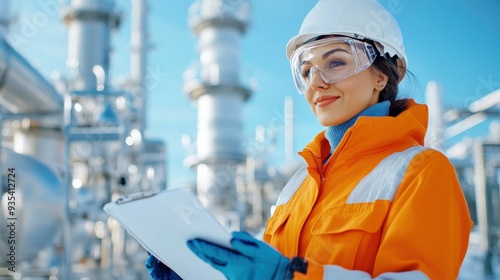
<point>316,80</point>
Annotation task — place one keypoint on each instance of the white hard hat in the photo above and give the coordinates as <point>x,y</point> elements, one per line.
<point>361,19</point>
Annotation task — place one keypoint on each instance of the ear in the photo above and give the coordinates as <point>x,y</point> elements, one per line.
<point>381,80</point>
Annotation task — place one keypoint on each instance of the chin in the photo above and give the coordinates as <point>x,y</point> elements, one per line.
<point>329,123</point>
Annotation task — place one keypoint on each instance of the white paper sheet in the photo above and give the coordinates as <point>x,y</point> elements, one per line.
<point>162,222</point>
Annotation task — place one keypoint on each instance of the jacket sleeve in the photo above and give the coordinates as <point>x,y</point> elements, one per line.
<point>426,233</point>
<point>333,272</point>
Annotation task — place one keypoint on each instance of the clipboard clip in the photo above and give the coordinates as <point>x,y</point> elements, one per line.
<point>135,196</point>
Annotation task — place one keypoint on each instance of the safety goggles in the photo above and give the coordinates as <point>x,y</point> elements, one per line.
<point>333,59</point>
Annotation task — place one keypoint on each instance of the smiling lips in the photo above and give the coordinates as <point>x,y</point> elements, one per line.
<point>323,101</point>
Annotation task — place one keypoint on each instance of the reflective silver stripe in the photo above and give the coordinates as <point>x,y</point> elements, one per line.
<point>338,272</point>
<point>292,186</point>
<point>383,181</point>
<point>386,176</point>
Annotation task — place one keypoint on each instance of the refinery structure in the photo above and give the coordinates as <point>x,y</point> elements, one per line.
<point>79,143</point>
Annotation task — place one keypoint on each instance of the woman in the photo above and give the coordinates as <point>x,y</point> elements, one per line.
<point>372,201</point>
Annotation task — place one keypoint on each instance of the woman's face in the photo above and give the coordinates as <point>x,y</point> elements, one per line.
<point>336,103</point>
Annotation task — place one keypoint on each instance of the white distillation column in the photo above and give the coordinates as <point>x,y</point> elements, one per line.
<point>4,17</point>
<point>150,153</point>
<point>435,132</point>
<point>220,97</point>
<point>93,135</point>
<point>89,23</point>
<point>138,58</point>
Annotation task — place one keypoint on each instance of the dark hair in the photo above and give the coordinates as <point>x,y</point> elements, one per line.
<point>390,91</point>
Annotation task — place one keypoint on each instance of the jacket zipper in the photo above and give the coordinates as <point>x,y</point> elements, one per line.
<point>322,179</point>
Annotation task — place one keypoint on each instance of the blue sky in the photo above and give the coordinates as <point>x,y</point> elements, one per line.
<point>456,43</point>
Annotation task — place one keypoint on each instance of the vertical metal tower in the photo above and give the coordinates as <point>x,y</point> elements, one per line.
<point>89,24</point>
<point>90,121</point>
<point>138,58</point>
<point>215,86</point>
<point>4,17</point>
<point>435,132</point>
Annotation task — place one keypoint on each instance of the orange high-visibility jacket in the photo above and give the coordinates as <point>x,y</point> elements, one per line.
<point>348,222</point>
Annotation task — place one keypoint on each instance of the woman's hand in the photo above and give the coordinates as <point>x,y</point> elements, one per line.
<point>159,271</point>
<point>249,258</point>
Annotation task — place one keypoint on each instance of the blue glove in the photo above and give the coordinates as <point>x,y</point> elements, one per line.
<point>251,259</point>
<point>158,271</point>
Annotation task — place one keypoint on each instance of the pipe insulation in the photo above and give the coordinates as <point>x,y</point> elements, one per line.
<point>23,89</point>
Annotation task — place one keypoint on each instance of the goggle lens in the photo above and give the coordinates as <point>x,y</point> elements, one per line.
<point>333,59</point>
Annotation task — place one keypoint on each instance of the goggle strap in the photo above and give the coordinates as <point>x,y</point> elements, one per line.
<point>371,52</point>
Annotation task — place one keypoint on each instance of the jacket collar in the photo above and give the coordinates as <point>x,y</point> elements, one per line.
<point>370,134</point>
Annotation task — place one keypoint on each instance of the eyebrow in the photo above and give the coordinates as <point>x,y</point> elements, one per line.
<point>327,54</point>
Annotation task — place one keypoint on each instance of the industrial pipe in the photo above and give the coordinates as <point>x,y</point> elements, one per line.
<point>23,90</point>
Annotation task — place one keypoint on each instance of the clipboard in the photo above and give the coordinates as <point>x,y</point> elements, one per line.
<point>163,221</point>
